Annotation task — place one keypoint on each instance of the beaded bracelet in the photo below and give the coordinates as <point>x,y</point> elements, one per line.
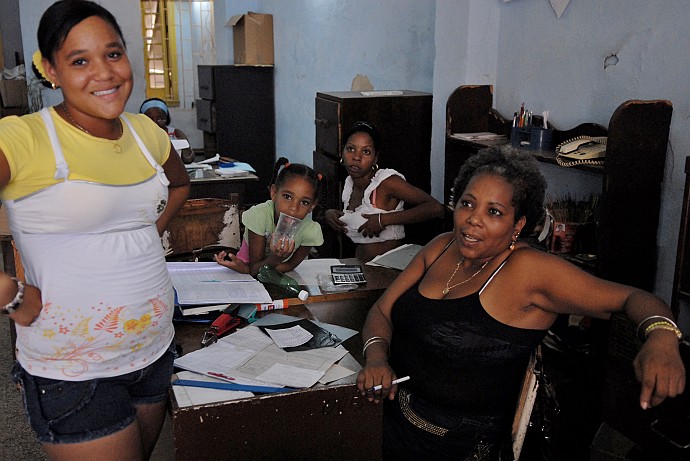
<point>663,326</point>
<point>13,305</point>
<point>652,317</point>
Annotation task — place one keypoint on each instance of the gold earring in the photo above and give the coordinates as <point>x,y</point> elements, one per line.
<point>512,245</point>
<point>53,86</point>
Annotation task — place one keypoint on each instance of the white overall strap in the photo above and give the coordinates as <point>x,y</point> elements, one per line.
<point>159,169</point>
<point>61,167</point>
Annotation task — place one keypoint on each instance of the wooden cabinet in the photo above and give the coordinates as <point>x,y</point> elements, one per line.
<point>404,121</point>
<point>236,112</point>
<point>681,279</point>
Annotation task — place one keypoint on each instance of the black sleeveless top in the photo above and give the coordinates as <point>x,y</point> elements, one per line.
<point>460,359</point>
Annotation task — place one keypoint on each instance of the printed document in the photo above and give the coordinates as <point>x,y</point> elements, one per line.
<point>199,283</point>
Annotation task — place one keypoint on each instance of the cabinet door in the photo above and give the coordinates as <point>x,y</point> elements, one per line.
<point>244,113</point>
<point>204,115</point>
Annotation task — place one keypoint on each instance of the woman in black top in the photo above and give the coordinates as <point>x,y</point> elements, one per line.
<point>472,305</point>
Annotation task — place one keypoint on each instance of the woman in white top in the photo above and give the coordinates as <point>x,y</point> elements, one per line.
<point>88,191</point>
<point>374,199</point>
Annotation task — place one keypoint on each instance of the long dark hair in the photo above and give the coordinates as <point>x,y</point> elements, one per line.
<point>283,170</point>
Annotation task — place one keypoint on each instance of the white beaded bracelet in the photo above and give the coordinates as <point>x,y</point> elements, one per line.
<point>13,305</point>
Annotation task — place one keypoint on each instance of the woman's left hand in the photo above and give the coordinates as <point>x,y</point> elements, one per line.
<point>659,368</point>
<point>371,227</point>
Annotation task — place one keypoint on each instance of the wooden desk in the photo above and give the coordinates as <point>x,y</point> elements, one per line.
<point>212,185</point>
<point>329,423</point>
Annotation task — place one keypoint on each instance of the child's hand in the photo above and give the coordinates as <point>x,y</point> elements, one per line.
<point>231,261</point>
<point>282,247</point>
<point>333,220</point>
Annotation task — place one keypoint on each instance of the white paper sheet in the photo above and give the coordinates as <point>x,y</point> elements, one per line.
<point>190,395</point>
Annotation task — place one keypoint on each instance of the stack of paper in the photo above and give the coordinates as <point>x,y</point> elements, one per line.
<point>479,136</point>
<point>208,283</point>
<point>250,357</point>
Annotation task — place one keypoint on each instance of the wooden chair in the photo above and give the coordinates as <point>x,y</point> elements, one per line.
<point>203,227</point>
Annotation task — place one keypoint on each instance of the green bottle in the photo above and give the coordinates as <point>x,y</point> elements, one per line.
<point>268,274</point>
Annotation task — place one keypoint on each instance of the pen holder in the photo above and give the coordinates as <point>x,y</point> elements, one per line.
<point>541,138</point>
<point>520,137</point>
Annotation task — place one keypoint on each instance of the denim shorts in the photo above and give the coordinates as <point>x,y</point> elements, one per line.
<point>79,411</point>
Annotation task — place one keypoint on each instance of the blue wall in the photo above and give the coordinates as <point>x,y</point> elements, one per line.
<point>321,45</point>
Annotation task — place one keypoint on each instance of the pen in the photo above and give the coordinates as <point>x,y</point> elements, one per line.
<point>219,375</point>
<point>395,381</point>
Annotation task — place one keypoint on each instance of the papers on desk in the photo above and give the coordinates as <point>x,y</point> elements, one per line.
<point>249,356</point>
<point>200,283</point>
<point>397,258</point>
<point>479,136</point>
<point>235,169</point>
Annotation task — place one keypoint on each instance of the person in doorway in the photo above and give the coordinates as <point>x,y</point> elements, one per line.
<point>157,110</point>
<point>89,190</point>
<point>374,216</point>
<point>464,316</point>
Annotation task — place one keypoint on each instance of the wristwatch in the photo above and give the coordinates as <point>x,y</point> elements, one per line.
<point>13,305</point>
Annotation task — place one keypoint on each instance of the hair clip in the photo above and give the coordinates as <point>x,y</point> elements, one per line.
<point>363,123</point>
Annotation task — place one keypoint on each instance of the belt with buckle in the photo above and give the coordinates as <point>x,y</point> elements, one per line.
<point>414,418</point>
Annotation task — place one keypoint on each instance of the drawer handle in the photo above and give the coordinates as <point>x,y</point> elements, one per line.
<point>322,122</point>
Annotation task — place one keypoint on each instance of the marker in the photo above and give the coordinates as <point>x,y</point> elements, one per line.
<point>219,375</point>
<point>395,381</point>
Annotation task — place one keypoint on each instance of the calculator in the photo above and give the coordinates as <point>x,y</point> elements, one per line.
<point>347,273</point>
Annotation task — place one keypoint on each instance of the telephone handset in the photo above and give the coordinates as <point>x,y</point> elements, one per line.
<point>582,150</point>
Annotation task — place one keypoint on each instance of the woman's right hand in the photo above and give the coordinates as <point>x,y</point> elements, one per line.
<point>374,374</point>
<point>30,308</point>
<point>333,219</point>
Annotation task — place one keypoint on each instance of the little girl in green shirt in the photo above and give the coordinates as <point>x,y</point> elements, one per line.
<point>294,192</point>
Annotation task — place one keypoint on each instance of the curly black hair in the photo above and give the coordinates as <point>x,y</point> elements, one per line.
<point>517,168</point>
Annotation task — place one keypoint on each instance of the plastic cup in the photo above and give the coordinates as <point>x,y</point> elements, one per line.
<point>286,228</point>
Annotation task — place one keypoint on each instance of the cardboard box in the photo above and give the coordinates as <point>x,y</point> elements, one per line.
<point>252,35</point>
<point>13,93</point>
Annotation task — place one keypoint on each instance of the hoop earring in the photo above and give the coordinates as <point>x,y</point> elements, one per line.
<point>375,167</point>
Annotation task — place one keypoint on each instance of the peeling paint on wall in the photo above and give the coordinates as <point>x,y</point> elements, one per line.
<point>610,60</point>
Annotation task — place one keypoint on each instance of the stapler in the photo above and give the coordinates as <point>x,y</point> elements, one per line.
<point>225,323</point>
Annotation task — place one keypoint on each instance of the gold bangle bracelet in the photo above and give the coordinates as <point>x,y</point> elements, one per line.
<point>663,326</point>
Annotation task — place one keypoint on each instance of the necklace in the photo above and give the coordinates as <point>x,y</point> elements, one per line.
<point>447,289</point>
<point>116,146</point>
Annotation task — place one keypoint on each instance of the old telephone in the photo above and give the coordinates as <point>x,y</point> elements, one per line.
<point>583,150</point>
